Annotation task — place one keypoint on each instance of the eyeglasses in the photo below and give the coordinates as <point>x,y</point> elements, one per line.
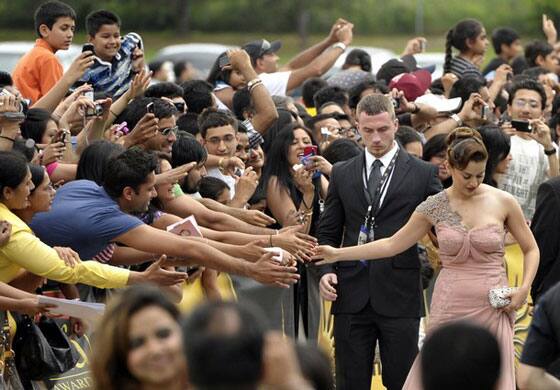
<point>180,106</point>
<point>351,131</point>
<point>165,132</point>
<point>520,103</point>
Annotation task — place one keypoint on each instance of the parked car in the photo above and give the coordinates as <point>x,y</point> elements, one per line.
<point>378,57</point>
<point>200,55</point>
<point>11,52</point>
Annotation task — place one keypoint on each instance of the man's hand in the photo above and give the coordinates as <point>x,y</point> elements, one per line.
<point>231,164</point>
<point>294,241</point>
<point>269,271</point>
<point>415,46</point>
<point>448,80</point>
<point>549,29</point>
<point>332,38</point>
<point>160,275</point>
<point>146,128</point>
<point>541,133</point>
<point>502,73</point>
<point>5,232</point>
<point>256,218</point>
<point>345,34</point>
<point>469,110</point>
<point>70,257</point>
<point>79,66</point>
<point>76,112</point>
<point>253,250</point>
<point>66,103</point>
<point>174,175</point>
<point>246,184</point>
<point>326,287</point>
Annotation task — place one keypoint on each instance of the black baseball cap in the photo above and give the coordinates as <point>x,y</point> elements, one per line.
<point>391,69</point>
<point>256,49</point>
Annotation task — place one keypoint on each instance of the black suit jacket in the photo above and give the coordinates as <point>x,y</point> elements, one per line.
<point>546,229</point>
<point>391,285</point>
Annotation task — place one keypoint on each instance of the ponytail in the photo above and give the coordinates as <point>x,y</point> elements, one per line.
<point>448,51</point>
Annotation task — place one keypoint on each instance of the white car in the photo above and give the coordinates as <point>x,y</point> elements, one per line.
<point>378,55</point>
<point>11,52</point>
<point>200,55</point>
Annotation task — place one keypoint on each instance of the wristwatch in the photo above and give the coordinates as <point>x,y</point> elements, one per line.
<point>550,152</point>
<point>457,119</point>
<point>339,45</point>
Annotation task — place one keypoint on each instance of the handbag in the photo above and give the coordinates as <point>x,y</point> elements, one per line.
<point>499,297</point>
<point>9,378</point>
<point>42,349</point>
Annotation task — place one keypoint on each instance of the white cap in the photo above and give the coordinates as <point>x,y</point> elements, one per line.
<point>439,102</point>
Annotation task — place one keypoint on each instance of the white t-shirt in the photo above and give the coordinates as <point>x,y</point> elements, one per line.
<point>276,83</point>
<point>527,170</point>
<point>230,181</point>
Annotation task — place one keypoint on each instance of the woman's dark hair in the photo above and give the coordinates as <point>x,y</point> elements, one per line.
<point>358,57</point>
<point>37,175</point>
<point>13,170</point>
<point>285,118</point>
<point>26,147</point>
<point>458,36</point>
<point>35,124</point>
<point>498,145</point>
<point>465,145</point>
<point>217,74</point>
<point>110,351</point>
<point>212,187</point>
<point>315,366</point>
<point>435,145</point>
<point>464,87</point>
<point>535,49</point>
<point>277,157</point>
<point>93,160</point>
<point>187,149</point>
<point>555,118</point>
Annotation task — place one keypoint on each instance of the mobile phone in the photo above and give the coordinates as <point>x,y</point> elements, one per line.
<point>60,136</point>
<point>191,270</point>
<point>522,126</point>
<point>484,112</point>
<point>395,103</point>
<point>308,152</point>
<point>123,128</point>
<point>150,108</point>
<point>14,116</point>
<point>422,45</point>
<point>223,61</point>
<point>88,47</point>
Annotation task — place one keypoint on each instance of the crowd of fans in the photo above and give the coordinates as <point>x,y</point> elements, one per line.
<point>101,163</point>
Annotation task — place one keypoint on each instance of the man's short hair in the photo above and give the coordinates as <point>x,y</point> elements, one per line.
<point>197,95</point>
<point>527,83</point>
<point>223,342</point>
<point>211,118</point>
<point>309,88</point>
<point>155,66</point>
<point>460,356</point>
<point>164,89</point>
<point>534,72</point>
<point>331,93</point>
<point>187,149</point>
<point>188,122</point>
<point>49,12</point>
<point>242,103</point>
<point>376,104</point>
<point>407,135</point>
<point>96,19</point>
<point>341,149</point>
<point>179,68</point>
<point>503,36</point>
<point>535,49</point>
<point>128,169</point>
<point>136,109</point>
<point>356,91</point>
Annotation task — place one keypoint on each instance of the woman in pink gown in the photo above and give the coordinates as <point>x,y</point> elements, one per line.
<point>470,220</point>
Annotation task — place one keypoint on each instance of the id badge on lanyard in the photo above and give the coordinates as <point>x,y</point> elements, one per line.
<point>367,233</point>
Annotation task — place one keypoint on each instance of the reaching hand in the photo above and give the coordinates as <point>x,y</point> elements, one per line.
<point>327,287</point>
<point>53,152</point>
<point>70,257</point>
<point>257,218</point>
<point>31,306</point>
<point>297,243</point>
<point>325,254</point>
<point>139,84</point>
<point>79,66</point>
<point>332,38</point>
<point>268,271</point>
<point>163,276</point>
<point>415,46</point>
<point>174,175</point>
<point>146,128</point>
<point>549,29</point>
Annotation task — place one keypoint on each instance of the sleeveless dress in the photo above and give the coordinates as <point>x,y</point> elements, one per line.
<point>472,263</point>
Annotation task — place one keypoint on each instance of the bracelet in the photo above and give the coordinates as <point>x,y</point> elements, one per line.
<point>113,113</point>
<point>221,165</point>
<point>339,45</point>
<point>550,152</point>
<point>8,138</point>
<point>270,239</point>
<point>305,204</point>
<point>253,83</point>
<point>416,109</point>
<point>457,119</point>
<point>255,86</point>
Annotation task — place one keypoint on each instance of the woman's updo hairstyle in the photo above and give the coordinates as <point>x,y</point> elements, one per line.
<point>463,146</point>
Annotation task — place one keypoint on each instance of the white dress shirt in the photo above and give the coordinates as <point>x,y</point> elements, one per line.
<point>385,160</point>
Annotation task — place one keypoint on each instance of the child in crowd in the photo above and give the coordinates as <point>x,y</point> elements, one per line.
<point>117,59</point>
<point>39,70</point>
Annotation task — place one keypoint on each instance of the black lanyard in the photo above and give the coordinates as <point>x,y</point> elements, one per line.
<point>381,187</point>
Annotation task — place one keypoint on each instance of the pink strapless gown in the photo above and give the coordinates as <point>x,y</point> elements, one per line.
<point>472,264</point>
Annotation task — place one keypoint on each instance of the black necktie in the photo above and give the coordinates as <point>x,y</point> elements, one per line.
<point>374,178</point>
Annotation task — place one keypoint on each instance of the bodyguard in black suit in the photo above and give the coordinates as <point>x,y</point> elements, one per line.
<point>546,229</point>
<point>374,300</point>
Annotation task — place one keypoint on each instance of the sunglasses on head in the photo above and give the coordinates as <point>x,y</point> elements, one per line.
<point>165,132</point>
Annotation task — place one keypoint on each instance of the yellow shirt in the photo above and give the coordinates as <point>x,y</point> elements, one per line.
<point>25,250</point>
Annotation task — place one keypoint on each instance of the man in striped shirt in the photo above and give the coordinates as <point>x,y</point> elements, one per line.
<point>117,59</point>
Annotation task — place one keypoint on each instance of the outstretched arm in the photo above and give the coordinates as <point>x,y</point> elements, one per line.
<point>417,227</point>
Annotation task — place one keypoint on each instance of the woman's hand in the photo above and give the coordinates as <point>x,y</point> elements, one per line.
<point>518,298</point>
<point>325,254</point>
<point>31,306</point>
<point>5,232</point>
<point>319,163</point>
<point>53,152</point>
<point>304,180</point>
<point>70,257</point>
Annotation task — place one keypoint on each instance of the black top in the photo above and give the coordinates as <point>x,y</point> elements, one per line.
<point>542,347</point>
<point>493,65</point>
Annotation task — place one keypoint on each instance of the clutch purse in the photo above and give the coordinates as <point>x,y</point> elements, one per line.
<point>499,298</point>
